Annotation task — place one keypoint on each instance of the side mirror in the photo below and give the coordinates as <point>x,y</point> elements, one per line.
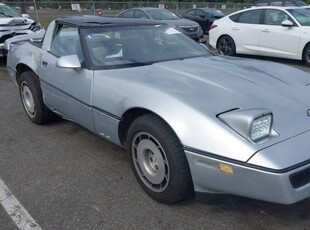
<point>69,62</point>
<point>202,16</point>
<point>287,23</point>
<point>25,15</point>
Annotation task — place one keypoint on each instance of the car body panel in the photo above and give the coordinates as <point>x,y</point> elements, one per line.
<point>255,183</point>
<point>270,45</point>
<point>66,98</point>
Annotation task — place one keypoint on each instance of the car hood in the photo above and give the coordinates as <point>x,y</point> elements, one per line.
<point>180,22</point>
<point>190,93</point>
<point>218,84</point>
<point>15,21</point>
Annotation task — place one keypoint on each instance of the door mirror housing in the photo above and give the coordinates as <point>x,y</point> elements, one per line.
<point>25,15</point>
<point>69,62</point>
<point>287,23</point>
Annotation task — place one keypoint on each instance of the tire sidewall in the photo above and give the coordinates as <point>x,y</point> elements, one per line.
<point>171,149</point>
<point>232,43</point>
<point>305,56</point>
<point>34,86</point>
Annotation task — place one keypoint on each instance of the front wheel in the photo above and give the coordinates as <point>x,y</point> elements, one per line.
<point>158,160</point>
<point>306,55</point>
<point>226,46</point>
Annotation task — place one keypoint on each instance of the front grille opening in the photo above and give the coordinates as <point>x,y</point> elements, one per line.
<point>190,29</point>
<point>301,178</point>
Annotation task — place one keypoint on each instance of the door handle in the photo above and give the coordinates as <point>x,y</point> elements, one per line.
<point>235,28</point>
<point>266,31</point>
<point>44,63</point>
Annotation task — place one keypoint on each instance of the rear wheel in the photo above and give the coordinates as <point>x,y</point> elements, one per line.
<point>158,160</point>
<point>306,56</point>
<point>32,100</point>
<point>226,46</point>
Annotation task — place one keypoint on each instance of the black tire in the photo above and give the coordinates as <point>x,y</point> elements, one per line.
<point>306,55</point>
<point>155,149</point>
<point>32,100</point>
<point>226,46</point>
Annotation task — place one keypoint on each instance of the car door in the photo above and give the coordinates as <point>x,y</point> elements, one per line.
<point>277,40</point>
<point>67,90</point>
<point>202,19</point>
<point>246,31</point>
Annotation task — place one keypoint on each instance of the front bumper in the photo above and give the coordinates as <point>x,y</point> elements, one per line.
<point>251,182</point>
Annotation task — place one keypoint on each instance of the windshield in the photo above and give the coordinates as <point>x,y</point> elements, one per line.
<point>130,46</point>
<point>301,15</point>
<point>7,12</point>
<point>162,14</point>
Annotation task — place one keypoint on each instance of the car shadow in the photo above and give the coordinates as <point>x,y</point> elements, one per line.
<point>2,61</point>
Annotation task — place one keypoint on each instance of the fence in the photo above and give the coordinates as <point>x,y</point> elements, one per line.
<point>47,11</point>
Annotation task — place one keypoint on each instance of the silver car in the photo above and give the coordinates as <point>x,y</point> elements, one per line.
<point>190,121</point>
<point>188,27</point>
<point>12,24</point>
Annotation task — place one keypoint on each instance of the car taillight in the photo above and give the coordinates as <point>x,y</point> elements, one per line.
<point>212,27</point>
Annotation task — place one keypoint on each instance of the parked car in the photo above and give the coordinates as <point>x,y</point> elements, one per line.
<point>12,24</point>
<point>203,16</point>
<point>190,28</point>
<point>190,121</point>
<point>280,3</point>
<point>268,31</point>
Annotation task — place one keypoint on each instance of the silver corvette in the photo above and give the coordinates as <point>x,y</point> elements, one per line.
<point>190,121</point>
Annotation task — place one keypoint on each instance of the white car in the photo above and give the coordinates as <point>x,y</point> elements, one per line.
<point>268,31</point>
<point>12,24</point>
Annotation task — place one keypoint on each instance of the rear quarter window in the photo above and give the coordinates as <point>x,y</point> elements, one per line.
<point>247,17</point>
<point>234,17</point>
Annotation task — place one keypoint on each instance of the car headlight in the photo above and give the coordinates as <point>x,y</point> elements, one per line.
<point>35,27</point>
<point>252,124</point>
<point>261,127</point>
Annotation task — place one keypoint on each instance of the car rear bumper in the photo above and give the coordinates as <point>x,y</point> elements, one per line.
<point>284,187</point>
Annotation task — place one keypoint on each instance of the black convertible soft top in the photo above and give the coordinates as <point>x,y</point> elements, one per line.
<point>97,21</point>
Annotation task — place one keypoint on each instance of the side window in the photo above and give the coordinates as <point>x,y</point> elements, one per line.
<point>275,17</point>
<point>250,17</point>
<point>140,14</point>
<point>127,14</point>
<point>66,42</point>
<point>208,13</point>
<point>191,12</point>
<point>199,13</point>
<point>276,3</point>
<point>289,3</point>
<point>235,17</point>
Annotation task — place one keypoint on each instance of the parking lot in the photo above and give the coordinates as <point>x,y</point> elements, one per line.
<point>69,178</point>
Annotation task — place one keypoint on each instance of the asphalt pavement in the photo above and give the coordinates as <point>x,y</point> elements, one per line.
<point>69,178</point>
